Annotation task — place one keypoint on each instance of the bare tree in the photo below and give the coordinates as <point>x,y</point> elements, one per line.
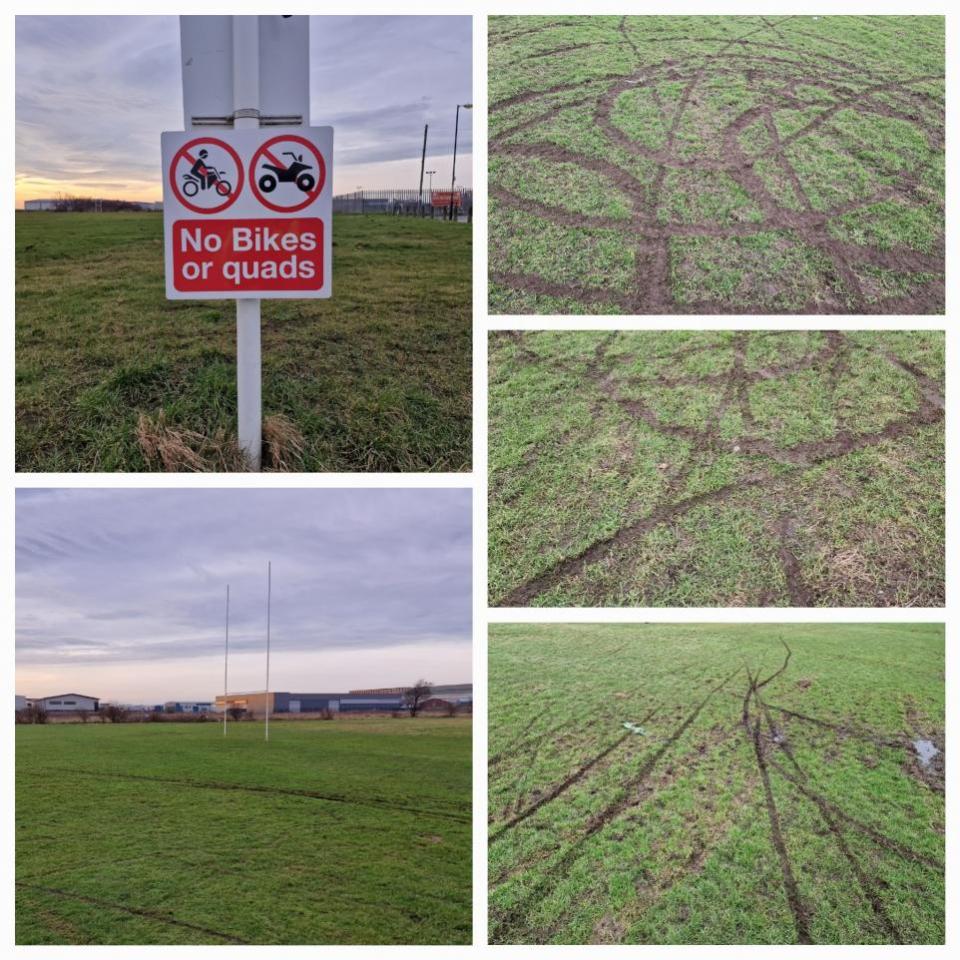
<point>414,696</point>
<point>113,712</point>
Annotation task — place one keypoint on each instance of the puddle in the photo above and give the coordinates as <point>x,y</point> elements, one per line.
<point>926,751</point>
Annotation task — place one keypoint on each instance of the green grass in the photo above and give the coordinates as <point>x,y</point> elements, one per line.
<point>377,378</point>
<point>666,835</point>
<point>716,469</point>
<point>183,827</point>
<point>744,164</point>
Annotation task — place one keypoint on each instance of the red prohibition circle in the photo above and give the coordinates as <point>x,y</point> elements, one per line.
<point>311,196</point>
<point>176,189</point>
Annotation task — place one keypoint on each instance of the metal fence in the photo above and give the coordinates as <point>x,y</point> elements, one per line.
<point>405,203</point>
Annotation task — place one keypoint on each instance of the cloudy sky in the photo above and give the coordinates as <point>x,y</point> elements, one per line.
<point>121,593</point>
<point>94,93</point>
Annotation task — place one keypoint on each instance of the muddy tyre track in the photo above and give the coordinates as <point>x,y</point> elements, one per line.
<point>506,927</point>
<point>763,52</point>
<point>372,802</point>
<point>773,469</point>
<point>153,915</point>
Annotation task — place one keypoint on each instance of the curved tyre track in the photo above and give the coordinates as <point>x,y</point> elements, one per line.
<point>153,915</point>
<point>373,802</point>
<point>734,385</point>
<point>751,59</point>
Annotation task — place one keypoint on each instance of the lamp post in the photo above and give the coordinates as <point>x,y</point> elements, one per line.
<point>430,174</point>
<point>423,163</point>
<point>456,130</point>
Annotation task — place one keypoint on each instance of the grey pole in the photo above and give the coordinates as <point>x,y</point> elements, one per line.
<point>226,650</point>
<point>423,163</point>
<point>456,130</point>
<point>266,715</point>
<point>246,103</point>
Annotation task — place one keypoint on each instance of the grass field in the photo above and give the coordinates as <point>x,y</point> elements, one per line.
<point>721,468</point>
<point>716,164</point>
<point>353,831</point>
<point>377,378</point>
<point>767,791</point>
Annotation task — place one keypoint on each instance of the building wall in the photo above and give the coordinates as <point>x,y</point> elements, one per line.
<point>310,703</point>
<point>355,704</point>
<point>454,692</point>
<point>282,702</point>
<point>254,703</point>
<point>69,704</point>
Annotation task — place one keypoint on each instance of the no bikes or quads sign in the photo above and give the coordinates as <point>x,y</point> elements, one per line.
<point>247,213</point>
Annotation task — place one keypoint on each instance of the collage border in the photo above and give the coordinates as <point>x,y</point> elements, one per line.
<point>476,480</point>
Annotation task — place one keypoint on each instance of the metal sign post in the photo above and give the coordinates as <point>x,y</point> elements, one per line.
<point>246,116</point>
<point>242,72</point>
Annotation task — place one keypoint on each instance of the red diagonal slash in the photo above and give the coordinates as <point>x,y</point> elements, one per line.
<point>273,159</point>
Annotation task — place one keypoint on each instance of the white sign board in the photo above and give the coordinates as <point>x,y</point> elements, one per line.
<point>248,213</point>
<point>206,52</point>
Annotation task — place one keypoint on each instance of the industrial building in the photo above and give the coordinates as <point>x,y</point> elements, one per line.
<point>67,703</point>
<point>92,205</point>
<point>381,699</point>
<point>188,706</point>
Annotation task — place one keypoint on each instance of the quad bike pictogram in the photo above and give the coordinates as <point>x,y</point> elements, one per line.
<point>295,173</point>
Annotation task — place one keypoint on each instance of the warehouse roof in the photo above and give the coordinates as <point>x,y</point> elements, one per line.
<point>55,695</point>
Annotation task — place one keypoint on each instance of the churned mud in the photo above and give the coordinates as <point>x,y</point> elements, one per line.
<point>844,83</point>
<point>773,468</point>
<point>777,778</point>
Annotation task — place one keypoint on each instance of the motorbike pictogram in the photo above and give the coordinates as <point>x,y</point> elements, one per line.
<point>203,176</point>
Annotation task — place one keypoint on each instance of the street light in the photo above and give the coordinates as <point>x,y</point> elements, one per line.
<point>430,174</point>
<point>456,129</point>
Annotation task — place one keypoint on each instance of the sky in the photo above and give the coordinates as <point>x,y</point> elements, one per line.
<point>94,93</point>
<point>121,593</point>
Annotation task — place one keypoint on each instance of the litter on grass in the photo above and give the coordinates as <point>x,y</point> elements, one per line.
<point>926,751</point>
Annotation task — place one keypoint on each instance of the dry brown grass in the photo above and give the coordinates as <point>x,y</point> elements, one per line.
<point>283,444</point>
<point>177,449</point>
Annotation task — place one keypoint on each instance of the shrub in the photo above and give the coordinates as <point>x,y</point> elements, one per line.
<point>35,713</point>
